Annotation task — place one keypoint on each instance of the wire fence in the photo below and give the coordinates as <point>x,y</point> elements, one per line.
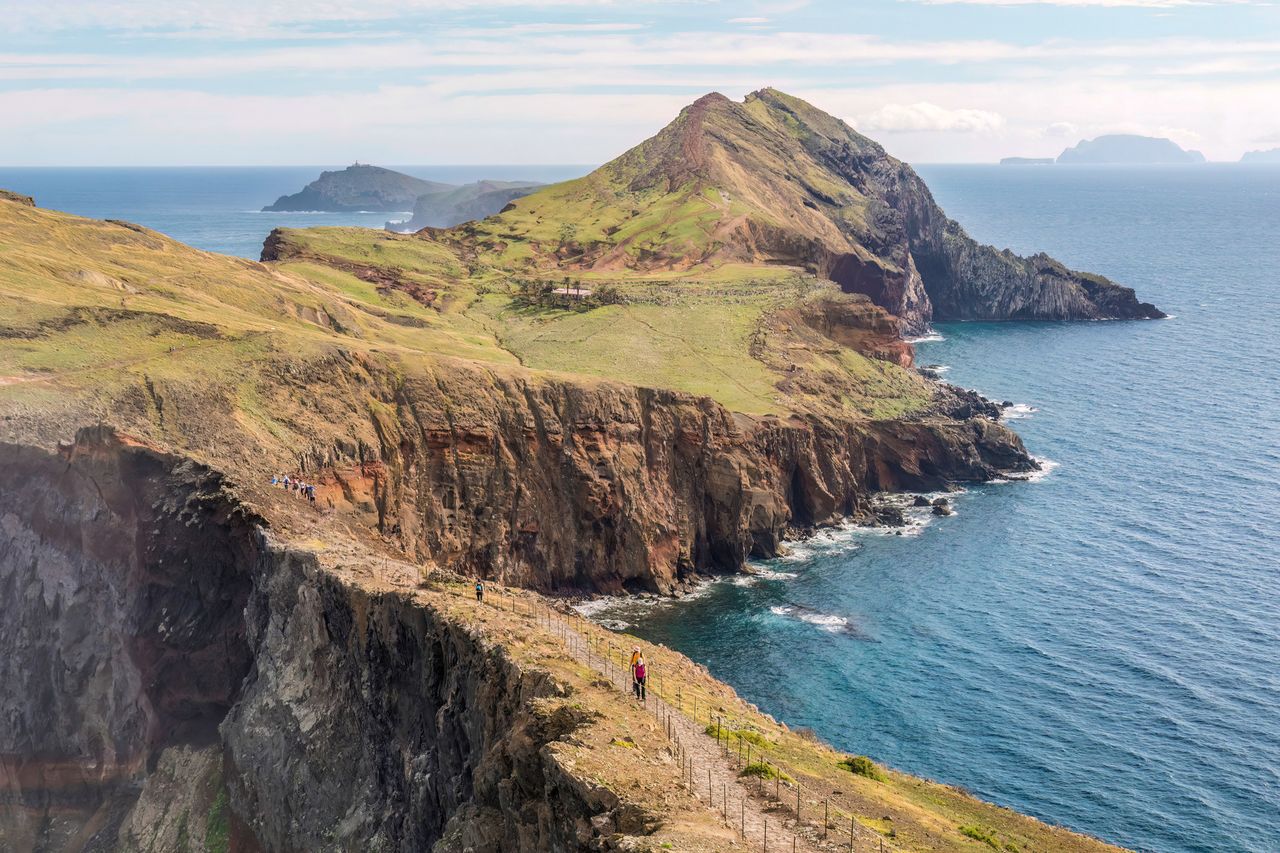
<point>748,772</point>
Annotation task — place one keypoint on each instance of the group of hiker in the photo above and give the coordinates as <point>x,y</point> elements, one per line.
<point>306,491</point>
<point>639,670</point>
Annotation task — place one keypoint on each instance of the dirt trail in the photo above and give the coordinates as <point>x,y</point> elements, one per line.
<point>747,806</point>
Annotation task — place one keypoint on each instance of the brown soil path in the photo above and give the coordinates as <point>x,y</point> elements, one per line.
<point>760,811</point>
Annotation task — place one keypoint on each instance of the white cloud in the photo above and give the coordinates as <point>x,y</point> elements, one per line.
<point>242,16</point>
<point>749,20</point>
<point>924,116</point>
<point>464,88</point>
<point>485,118</point>
<point>1228,116</point>
<point>620,47</point>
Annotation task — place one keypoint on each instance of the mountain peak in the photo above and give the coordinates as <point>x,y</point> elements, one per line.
<point>710,99</point>
<point>774,180</point>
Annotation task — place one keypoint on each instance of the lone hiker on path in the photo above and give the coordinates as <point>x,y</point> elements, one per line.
<point>639,674</point>
<point>479,590</point>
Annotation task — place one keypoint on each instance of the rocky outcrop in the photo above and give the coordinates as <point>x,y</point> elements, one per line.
<point>17,198</point>
<point>174,678</point>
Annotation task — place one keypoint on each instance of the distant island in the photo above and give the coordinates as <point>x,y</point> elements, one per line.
<point>359,187</point>
<point>1027,161</point>
<point>1129,149</point>
<point>375,189</point>
<point>463,204</point>
<point>1271,155</point>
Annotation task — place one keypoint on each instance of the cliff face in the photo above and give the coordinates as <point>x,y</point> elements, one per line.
<point>604,487</point>
<point>178,677</point>
<point>124,578</point>
<point>174,679</point>
<point>935,271</point>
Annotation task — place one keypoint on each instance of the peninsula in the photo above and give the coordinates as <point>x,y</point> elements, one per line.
<point>622,383</point>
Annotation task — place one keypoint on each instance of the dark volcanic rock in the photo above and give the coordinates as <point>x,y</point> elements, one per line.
<point>887,515</point>
<point>167,662</point>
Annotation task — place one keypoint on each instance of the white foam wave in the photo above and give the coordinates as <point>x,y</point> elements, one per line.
<point>827,540</point>
<point>1018,411</point>
<point>757,572</point>
<point>593,607</point>
<point>1047,467</point>
<point>825,621</point>
<point>616,611</point>
<point>928,337</point>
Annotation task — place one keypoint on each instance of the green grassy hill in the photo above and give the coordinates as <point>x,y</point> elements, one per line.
<point>775,181</point>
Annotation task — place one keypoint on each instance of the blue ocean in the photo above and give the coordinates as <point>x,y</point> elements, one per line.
<point>220,208</point>
<point>1100,647</point>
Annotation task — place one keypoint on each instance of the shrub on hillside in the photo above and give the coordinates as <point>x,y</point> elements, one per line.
<point>863,766</point>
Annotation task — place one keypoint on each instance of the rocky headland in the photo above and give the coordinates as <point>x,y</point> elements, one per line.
<point>774,180</point>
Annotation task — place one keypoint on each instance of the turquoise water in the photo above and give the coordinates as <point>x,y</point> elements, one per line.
<point>220,208</point>
<point>1101,648</point>
<point>1098,648</point>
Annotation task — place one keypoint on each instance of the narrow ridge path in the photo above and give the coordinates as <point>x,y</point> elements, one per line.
<point>746,806</point>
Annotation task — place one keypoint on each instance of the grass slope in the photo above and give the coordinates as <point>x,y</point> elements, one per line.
<point>703,191</point>
<point>713,330</point>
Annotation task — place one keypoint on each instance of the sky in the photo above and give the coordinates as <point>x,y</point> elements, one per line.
<point>301,82</point>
